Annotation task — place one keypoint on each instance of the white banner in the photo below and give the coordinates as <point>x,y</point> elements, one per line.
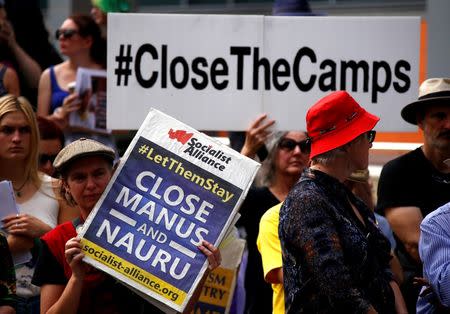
<point>217,72</point>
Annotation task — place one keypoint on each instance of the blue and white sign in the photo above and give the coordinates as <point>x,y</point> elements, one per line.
<point>169,193</point>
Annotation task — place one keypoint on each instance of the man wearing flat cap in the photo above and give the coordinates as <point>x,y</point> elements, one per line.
<point>415,184</point>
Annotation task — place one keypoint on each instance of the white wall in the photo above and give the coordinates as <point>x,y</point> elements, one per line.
<point>438,38</point>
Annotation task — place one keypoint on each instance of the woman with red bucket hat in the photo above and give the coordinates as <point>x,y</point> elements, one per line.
<point>335,259</point>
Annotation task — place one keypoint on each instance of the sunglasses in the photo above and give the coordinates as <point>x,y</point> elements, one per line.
<point>44,158</point>
<point>289,145</point>
<point>66,33</point>
<point>370,135</point>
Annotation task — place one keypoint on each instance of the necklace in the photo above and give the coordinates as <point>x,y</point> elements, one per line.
<point>18,191</point>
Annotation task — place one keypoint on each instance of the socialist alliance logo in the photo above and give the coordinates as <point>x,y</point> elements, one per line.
<point>203,152</point>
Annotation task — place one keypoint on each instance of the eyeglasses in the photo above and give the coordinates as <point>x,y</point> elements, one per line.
<point>44,158</point>
<point>289,145</point>
<point>370,135</point>
<point>66,33</point>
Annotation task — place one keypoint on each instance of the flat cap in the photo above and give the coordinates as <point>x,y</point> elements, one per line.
<point>81,148</point>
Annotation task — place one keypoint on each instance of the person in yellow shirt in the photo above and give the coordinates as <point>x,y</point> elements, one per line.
<point>269,245</point>
<point>270,249</point>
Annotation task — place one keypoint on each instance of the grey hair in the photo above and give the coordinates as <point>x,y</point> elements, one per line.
<point>329,156</point>
<point>266,173</point>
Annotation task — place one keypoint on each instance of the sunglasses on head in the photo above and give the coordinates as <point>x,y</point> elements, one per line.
<point>370,135</point>
<point>66,33</point>
<point>289,145</point>
<point>44,158</point>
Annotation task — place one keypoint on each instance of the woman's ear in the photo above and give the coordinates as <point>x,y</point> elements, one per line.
<point>67,195</point>
<point>66,190</point>
<point>64,185</point>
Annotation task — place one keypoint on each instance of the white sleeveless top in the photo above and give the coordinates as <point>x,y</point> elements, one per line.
<point>44,206</point>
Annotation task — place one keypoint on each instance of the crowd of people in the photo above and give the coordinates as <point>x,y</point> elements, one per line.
<point>45,173</point>
<point>317,241</point>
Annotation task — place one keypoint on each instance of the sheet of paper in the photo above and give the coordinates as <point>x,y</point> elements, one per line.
<point>7,200</point>
<point>9,207</point>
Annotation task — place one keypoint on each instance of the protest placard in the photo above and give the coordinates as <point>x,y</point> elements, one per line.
<point>217,292</point>
<point>173,188</point>
<point>230,68</point>
<point>91,88</point>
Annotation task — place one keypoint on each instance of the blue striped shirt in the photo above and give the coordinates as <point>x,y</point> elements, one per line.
<point>434,250</point>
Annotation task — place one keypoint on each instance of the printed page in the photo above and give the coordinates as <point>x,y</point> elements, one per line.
<point>7,200</point>
<point>174,188</point>
<point>91,88</point>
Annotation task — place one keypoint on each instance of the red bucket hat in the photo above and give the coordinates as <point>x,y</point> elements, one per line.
<point>335,120</point>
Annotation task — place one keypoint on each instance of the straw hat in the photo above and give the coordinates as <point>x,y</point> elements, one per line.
<point>434,91</point>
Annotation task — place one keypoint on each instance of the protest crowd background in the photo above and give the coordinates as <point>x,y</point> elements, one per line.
<point>339,218</point>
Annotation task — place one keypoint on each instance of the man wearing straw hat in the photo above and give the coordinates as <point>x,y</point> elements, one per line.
<point>415,184</point>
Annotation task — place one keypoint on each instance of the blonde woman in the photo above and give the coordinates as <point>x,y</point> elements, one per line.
<point>40,209</point>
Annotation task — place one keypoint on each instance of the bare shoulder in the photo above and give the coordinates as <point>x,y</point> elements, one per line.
<point>11,81</point>
<point>45,73</point>
<point>45,77</point>
<point>10,72</point>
